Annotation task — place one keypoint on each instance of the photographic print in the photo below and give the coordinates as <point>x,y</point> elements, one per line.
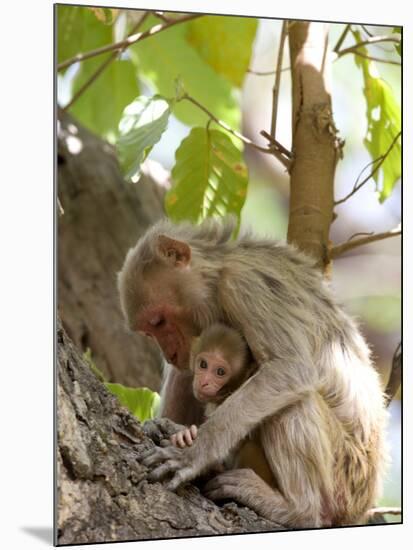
<point>228,274</point>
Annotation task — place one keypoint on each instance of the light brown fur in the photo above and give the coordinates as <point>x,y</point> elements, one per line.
<point>230,348</point>
<point>326,447</point>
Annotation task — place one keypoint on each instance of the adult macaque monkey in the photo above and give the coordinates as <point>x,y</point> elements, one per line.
<point>221,362</point>
<point>326,449</point>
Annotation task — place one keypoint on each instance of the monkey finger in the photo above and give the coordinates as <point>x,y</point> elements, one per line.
<point>180,439</point>
<point>164,469</point>
<point>154,456</point>
<point>194,431</point>
<point>181,476</point>
<point>165,443</point>
<point>188,437</point>
<point>221,480</point>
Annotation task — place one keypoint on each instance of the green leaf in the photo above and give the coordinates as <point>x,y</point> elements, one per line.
<point>209,176</point>
<point>101,105</point>
<point>167,56</point>
<point>142,124</point>
<point>142,402</point>
<point>384,124</point>
<point>225,43</point>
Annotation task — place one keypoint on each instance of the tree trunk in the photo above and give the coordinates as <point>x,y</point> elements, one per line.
<point>103,494</point>
<point>103,217</point>
<point>316,147</point>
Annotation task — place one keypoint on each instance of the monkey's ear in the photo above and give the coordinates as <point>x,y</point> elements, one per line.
<point>177,252</point>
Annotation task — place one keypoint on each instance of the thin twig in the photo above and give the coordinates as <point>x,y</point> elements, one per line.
<point>276,88</point>
<point>276,144</point>
<point>379,160</point>
<point>104,65</point>
<point>371,58</point>
<point>393,510</point>
<point>368,42</point>
<point>162,16</point>
<point>341,39</point>
<point>366,30</point>
<point>269,150</point>
<point>349,245</point>
<point>361,233</point>
<point>123,44</point>
<point>266,73</point>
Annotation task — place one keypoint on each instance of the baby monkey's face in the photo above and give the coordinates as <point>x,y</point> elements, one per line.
<point>211,373</point>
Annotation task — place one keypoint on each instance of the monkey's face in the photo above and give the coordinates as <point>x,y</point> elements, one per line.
<point>211,373</point>
<point>171,326</point>
<point>168,296</point>
<point>162,295</point>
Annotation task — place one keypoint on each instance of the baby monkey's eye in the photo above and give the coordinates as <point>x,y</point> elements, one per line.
<point>220,371</point>
<point>203,364</point>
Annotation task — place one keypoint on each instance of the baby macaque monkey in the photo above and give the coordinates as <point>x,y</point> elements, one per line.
<point>221,362</point>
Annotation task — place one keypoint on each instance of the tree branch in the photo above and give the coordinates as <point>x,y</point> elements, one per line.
<point>316,145</point>
<point>104,65</point>
<point>368,42</point>
<point>123,44</point>
<point>277,144</point>
<point>266,73</point>
<point>272,150</point>
<point>342,38</point>
<point>385,510</point>
<point>350,244</point>
<point>276,88</point>
<point>379,160</point>
<point>371,58</point>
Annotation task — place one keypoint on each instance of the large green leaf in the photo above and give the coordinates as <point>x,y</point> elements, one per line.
<point>225,43</point>
<point>165,57</point>
<point>142,124</point>
<point>209,176</point>
<point>142,402</point>
<point>101,105</point>
<point>384,124</point>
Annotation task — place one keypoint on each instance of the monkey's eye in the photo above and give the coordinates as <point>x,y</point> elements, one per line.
<point>220,371</point>
<point>203,364</point>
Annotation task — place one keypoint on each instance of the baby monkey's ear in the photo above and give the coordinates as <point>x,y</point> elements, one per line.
<point>178,253</point>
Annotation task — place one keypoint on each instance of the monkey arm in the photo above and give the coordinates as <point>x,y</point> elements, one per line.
<point>285,373</point>
<point>177,399</point>
<point>259,398</point>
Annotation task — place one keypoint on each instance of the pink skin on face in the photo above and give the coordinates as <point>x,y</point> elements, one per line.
<point>211,374</point>
<point>171,327</point>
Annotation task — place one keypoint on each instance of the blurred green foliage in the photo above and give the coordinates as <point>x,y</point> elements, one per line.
<point>209,57</point>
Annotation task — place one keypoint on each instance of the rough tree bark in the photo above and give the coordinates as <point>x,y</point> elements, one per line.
<point>103,494</point>
<point>103,217</point>
<point>316,147</point>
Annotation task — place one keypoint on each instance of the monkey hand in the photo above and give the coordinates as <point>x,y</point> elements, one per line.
<point>183,464</point>
<point>161,429</point>
<point>184,438</point>
<point>242,485</point>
